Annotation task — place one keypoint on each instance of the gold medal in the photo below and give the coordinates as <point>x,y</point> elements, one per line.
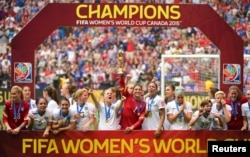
<point>82,115</point>
<point>107,121</point>
<point>180,119</point>
<point>149,113</point>
<point>63,120</point>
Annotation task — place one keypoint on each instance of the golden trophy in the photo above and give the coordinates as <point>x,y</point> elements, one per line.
<point>120,62</point>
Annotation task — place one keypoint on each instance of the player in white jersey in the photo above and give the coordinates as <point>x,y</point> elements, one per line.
<point>108,111</point>
<point>222,111</point>
<point>116,100</point>
<point>170,96</point>
<point>67,91</point>
<point>211,94</point>
<point>49,93</point>
<point>245,110</point>
<point>155,111</point>
<point>63,117</point>
<point>84,111</point>
<point>40,118</point>
<point>179,112</point>
<point>202,119</point>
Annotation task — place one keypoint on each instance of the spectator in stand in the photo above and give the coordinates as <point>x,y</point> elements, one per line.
<point>179,112</point>
<point>27,97</point>
<point>6,65</point>
<point>235,99</point>
<point>40,118</point>
<point>63,118</point>
<point>15,113</point>
<point>84,111</point>
<point>49,93</point>
<point>155,111</point>
<point>221,111</point>
<point>245,110</point>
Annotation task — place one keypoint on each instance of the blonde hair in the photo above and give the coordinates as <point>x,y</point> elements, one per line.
<point>79,92</point>
<point>18,89</point>
<point>220,92</point>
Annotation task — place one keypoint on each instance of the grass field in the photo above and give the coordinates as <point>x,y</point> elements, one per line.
<point>1,112</point>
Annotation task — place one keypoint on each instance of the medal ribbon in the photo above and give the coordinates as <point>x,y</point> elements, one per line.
<point>17,114</point>
<point>177,107</point>
<point>150,103</point>
<point>234,108</point>
<point>64,117</point>
<point>107,111</point>
<point>138,107</point>
<point>77,108</point>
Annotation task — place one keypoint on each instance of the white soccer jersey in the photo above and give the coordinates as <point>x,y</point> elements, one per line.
<point>117,102</point>
<point>85,111</point>
<point>52,105</point>
<point>179,123</point>
<point>69,117</point>
<point>40,121</point>
<point>166,124</point>
<point>214,109</point>
<point>108,119</point>
<point>32,103</point>
<point>71,101</point>
<point>151,122</point>
<point>245,108</point>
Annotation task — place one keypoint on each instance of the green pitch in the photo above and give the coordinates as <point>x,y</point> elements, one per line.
<point>1,112</point>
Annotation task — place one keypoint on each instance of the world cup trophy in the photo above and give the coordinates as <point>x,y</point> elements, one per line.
<point>120,62</point>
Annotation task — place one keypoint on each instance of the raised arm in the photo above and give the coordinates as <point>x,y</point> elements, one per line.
<point>226,112</point>
<point>120,105</point>
<point>96,102</point>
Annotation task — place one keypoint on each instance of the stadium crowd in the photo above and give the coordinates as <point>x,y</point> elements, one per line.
<point>87,55</point>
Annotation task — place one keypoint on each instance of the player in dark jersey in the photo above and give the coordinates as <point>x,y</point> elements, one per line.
<point>15,113</point>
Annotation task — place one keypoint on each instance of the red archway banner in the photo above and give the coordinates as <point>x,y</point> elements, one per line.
<point>119,15</point>
<point>115,143</point>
